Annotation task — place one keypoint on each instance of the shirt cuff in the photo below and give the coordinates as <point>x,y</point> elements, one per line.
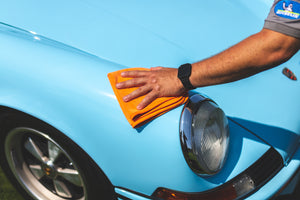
<point>282,28</point>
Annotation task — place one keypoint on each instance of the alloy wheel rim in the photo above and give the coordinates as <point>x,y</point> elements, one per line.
<point>42,167</point>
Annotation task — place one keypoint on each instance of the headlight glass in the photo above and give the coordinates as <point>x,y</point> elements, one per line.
<point>204,135</point>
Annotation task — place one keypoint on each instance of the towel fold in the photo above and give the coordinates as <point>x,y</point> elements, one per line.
<point>135,117</point>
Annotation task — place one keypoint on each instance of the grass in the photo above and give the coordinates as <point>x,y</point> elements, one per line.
<point>7,191</point>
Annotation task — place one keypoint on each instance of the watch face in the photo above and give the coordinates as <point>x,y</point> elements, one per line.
<point>184,72</point>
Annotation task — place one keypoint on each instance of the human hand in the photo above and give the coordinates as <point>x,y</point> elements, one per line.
<point>158,82</point>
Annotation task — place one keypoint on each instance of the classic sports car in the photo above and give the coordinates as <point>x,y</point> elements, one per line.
<point>63,134</point>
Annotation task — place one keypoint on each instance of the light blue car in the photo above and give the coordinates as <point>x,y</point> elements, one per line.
<point>63,134</point>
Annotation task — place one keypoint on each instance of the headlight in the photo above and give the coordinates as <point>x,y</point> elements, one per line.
<point>204,135</point>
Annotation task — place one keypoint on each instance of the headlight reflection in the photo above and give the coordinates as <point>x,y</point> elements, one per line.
<point>204,135</point>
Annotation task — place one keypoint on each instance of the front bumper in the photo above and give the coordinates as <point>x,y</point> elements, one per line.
<point>270,189</point>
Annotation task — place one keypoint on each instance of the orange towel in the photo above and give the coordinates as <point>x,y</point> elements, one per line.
<point>137,117</point>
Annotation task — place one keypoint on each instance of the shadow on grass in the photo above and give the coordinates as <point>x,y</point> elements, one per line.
<point>7,191</point>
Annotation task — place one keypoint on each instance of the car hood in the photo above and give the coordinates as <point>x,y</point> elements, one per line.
<point>139,33</point>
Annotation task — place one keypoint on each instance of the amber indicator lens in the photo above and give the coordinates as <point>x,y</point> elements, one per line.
<point>288,73</point>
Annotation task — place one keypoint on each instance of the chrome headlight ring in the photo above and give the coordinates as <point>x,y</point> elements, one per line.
<point>204,135</point>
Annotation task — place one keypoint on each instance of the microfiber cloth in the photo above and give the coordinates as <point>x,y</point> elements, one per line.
<point>135,117</point>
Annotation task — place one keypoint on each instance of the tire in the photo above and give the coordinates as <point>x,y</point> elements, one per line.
<point>42,163</point>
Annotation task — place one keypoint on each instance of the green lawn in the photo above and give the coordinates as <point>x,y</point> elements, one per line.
<point>7,191</point>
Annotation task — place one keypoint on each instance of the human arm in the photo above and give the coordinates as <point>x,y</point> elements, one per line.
<point>256,53</point>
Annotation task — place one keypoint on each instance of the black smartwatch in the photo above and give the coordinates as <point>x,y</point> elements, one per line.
<point>184,73</point>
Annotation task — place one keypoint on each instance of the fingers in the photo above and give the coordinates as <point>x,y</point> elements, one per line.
<point>134,74</point>
<point>136,82</point>
<point>137,93</point>
<point>149,98</point>
<point>146,83</point>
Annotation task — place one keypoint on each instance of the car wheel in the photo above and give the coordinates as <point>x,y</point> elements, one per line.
<point>44,164</point>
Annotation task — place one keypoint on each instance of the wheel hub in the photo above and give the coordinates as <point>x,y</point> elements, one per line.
<point>49,170</point>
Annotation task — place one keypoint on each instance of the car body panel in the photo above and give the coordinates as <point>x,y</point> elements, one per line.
<point>128,32</point>
<point>63,82</point>
<point>51,84</point>
<point>97,26</point>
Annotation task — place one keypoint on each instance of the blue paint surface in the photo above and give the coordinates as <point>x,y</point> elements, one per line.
<point>54,67</point>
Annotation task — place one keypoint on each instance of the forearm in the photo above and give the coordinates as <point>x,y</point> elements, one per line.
<point>257,53</point>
